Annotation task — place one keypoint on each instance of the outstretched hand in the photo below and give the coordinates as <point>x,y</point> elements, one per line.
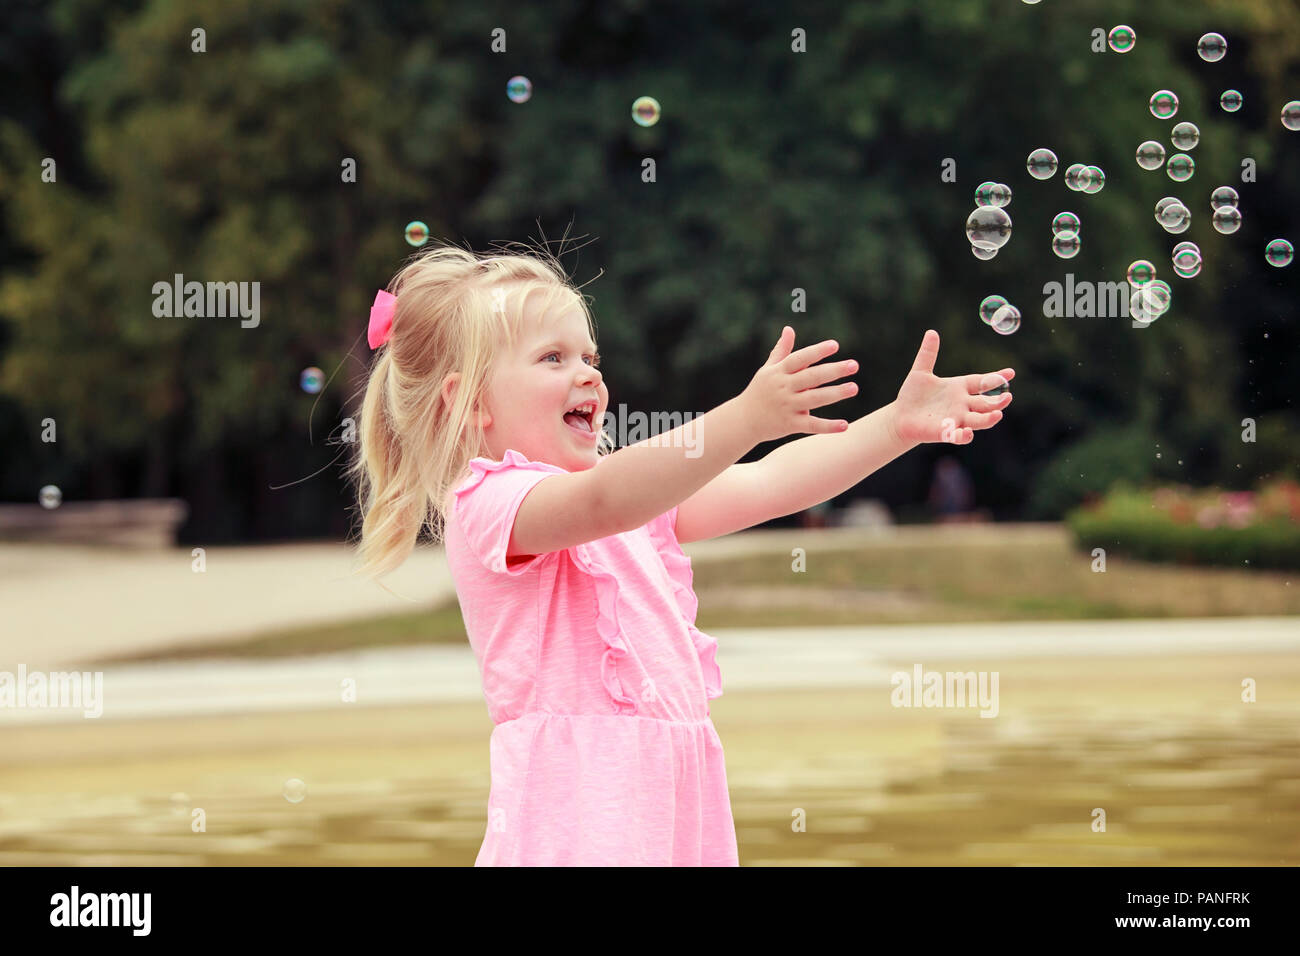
<point>933,409</point>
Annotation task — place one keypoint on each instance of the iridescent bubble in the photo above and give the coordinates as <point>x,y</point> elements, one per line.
<point>1140,272</point>
<point>1185,136</point>
<point>1291,115</point>
<point>645,111</point>
<point>1212,47</point>
<point>1006,320</point>
<point>1166,294</point>
<point>1164,104</point>
<point>1121,38</point>
<point>1227,219</point>
<point>1230,100</point>
<point>1072,176</point>
<point>983,254</point>
<point>1279,253</point>
<point>989,307</point>
<point>984,193</point>
<point>1223,196</point>
<point>295,790</point>
<point>312,380</point>
<point>1000,195</point>
<point>988,227</point>
<point>1162,204</point>
<point>417,233</point>
<point>1092,179</point>
<point>51,497</point>
<point>1066,244</point>
<point>1174,217</point>
<point>1041,164</point>
<point>999,385</point>
<point>1065,222</point>
<point>1151,155</point>
<point>519,89</point>
<point>1189,270</point>
<point>1183,224</point>
<point>1137,307</point>
<point>1187,259</point>
<point>1184,246</point>
<point>1153,299</point>
<point>1180,167</point>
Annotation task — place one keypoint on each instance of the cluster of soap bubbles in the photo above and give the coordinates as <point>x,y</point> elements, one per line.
<point>1151,297</point>
<point>1085,179</point>
<point>989,227</point>
<point>1172,215</point>
<point>1001,315</point>
<point>1223,204</point>
<point>1065,235</point>
<point>1186,259</point>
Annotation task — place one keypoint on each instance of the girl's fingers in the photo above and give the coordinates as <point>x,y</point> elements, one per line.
<point>817,397</point>
<point>813,425</point>
<point>987,403</point>
<point>821,374</point>
<point>809,354</point>
<point>782,347</point>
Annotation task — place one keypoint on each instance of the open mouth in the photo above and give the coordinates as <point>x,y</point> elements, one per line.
<point>581,417</point>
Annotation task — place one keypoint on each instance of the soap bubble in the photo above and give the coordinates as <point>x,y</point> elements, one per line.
<point>1065,221</point>
<point>519,89</point>
<point>1186,245</point>
<point>1121,38</point>
<point>1000,195</point>
<point>1223,196</point>
<point>1151,155</point>
<point>1137,307</point>
<point>983,254</point>
<point>1152,299</point>
<point>1072,176</point>
<point>1041,164</point>
<point>1066,244</point>
<point>1279,253</point>
<point>1187,260</point>
<point>417,233</point>
<point>1163,290</point>
<point>1185,136</point>
<point>1230,100</point>
<point>51,497</point>
<point>1140,272</point>
<point>1180,167</point>
<point>312,380</point>
<point>984,193</point>
<point>1092,179</point>
<point>1006,320</point>
<point>1291,115</point>
<point>1162,203</point>
<point>1175,217</point>
<point>988,227</point>
<point>1212,47</point>
<point>295,790</point>
<point>989,307</point>
<point>645,111</point>
<point>1000,385</point>
<point>1227,219</point>
<point>1164,104</point>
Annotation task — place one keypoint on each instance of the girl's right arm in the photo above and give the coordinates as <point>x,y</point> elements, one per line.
<point>638,483</point>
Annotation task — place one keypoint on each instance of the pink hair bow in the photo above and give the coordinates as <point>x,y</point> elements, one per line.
<point>381,318</point>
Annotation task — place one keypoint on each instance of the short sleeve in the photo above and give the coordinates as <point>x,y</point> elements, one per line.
<point>487,502</point>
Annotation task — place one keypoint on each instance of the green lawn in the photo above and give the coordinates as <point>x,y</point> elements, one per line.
<point>873,584</point>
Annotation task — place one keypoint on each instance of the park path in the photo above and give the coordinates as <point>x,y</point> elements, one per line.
<point>62,604</point>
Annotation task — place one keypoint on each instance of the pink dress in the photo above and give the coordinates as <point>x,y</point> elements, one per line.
<point>598,682</point>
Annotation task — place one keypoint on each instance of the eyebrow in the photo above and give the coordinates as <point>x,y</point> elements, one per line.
<point>560,345</point>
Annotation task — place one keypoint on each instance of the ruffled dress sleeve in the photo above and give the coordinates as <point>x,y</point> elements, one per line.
<point>663,532</point>
<point>486,505</point>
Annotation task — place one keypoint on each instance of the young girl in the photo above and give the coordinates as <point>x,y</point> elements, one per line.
<point>482,417</point>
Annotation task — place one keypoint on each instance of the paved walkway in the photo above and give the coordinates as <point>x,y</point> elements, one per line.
<point>750,658</point>
<point>60,604</point>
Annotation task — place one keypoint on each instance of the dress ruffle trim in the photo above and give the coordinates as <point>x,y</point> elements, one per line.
<point>679,572</point>
<point>481,467</point>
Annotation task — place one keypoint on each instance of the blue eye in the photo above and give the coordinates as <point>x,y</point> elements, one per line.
<point>595,359</point>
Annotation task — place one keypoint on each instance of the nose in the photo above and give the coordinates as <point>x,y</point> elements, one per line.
<point>590,374</point>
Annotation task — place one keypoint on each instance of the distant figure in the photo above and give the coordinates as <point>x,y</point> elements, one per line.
<point>952,496</point>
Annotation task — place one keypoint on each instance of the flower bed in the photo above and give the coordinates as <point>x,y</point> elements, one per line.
<point>1242,529</point>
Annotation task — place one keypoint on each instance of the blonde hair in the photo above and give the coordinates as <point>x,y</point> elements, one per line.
<point>412,449</point>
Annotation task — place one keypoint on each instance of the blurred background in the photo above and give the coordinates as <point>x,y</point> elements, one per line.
<point>173,512</point>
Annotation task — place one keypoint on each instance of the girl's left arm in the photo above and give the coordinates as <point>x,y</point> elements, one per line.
<point>791,478</point>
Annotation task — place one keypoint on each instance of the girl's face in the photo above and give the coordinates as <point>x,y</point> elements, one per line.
<point>551,369</point>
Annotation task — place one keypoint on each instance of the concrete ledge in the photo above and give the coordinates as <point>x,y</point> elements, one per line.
<point>136,522</point>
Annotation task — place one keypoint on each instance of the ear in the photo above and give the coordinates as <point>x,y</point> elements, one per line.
<point>449,385</point>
